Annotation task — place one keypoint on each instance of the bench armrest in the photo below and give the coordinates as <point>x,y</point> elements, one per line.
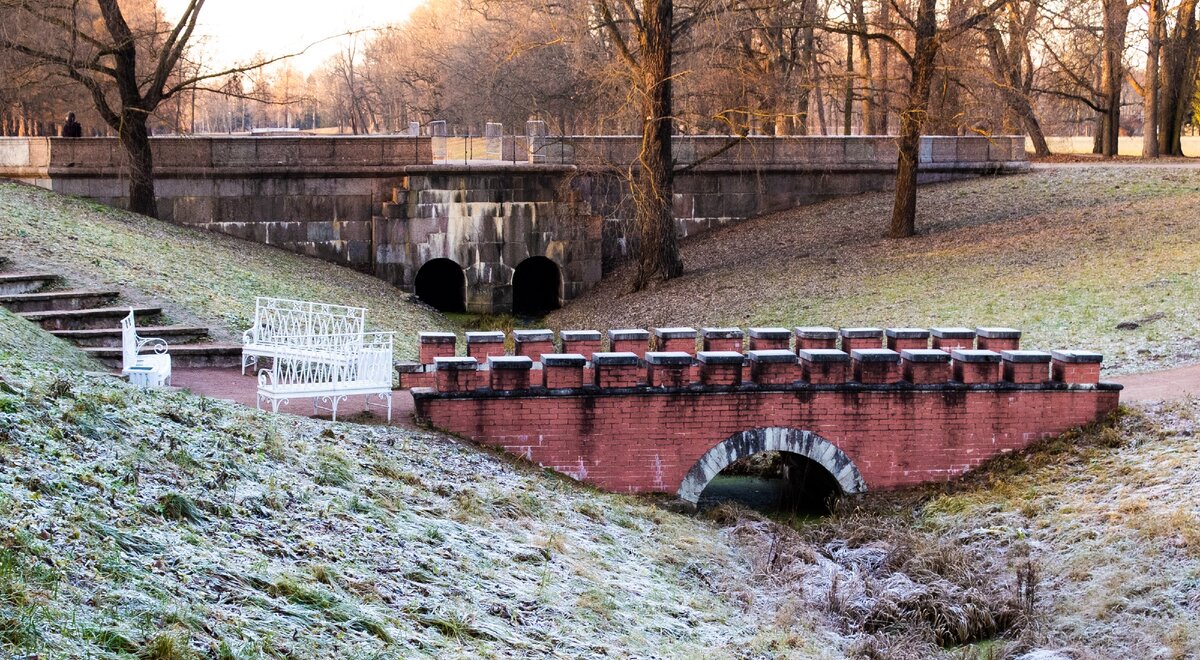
<point>156,344</point>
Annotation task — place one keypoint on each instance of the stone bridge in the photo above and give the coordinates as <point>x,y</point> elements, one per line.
<point>483,236</point>
<point>886,410</point>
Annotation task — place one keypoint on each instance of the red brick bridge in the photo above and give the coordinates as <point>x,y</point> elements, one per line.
<point>890,408</point>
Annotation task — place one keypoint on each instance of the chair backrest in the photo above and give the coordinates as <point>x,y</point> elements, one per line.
<point>129,348</point>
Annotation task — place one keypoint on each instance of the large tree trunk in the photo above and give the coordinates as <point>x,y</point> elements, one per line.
<point>1151,85</point>
<point>1177,66</point>
<point>912,121</point>
<point>135,138</point>
<point>1112,74</point>
<point>1008,81</point>
<point>653,188</point>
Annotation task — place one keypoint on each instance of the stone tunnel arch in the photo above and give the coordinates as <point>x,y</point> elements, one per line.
<point>785,440</point>
<point>442,284</point>
<point>536,286</point>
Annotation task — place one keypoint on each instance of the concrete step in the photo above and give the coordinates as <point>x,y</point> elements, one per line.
<point>16,283</point>
<point>101,337</point>
<point>183,356</point>
<point>46,301</point>
<point>84,319</point>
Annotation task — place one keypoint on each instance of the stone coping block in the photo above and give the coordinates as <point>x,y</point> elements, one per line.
<point>563,360</point>
<point>875,355</point>
<point>975,356</point>
<point>862,333</point>
<point>669,358</point>
<point>816,332</point>
<point>617,359</point>
<point>953,333</point>
<point>907,333</point>
<point>1027,357</point>
<point>998,333</point>
<point>773,356</point>
<point>631,333</point>
<point>437,337</point>
<point>675,333</point>
<point>770,333</point>
<point>721,357</point>
<point>925,355</point>
<point>510,362</point>
<point>823,355</point>
<point>722,333</point>
<point>1077,357</point>
<point>533,335</point>
<point>579,335</point>
<point>488,337</point>
<point>411,367</point>
<point>455,364</point>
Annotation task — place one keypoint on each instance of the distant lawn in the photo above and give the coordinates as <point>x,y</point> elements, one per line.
<point>1066,255</point>
<point>198,276</point>
<point>1126,146</point>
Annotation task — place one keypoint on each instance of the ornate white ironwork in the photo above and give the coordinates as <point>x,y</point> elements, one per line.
<point>144,370</point>
<point>344,365</point>
<point>293,327</point>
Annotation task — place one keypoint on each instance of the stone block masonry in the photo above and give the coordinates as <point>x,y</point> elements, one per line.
<point>668,421</point>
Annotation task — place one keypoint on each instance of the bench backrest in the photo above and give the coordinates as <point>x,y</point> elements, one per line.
<point>129,347</point>
<point>374,362</point>
<point>283,321</point>
<point>344,358</point>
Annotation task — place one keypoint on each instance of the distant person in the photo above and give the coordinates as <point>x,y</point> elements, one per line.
<point>72,127</point>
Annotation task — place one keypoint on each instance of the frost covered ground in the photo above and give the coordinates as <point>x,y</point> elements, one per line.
<point>197,276</point>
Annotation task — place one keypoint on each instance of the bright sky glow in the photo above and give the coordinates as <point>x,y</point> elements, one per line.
<point>234,30</point>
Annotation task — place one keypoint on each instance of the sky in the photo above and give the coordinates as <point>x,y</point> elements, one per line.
<point>234,30</point>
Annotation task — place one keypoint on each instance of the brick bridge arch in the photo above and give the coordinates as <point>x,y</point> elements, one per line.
<point>773,438</point>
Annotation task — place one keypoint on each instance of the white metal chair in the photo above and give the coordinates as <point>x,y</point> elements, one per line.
<point>144,370</point>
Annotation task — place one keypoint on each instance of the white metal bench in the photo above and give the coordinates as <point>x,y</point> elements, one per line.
<point>145,370</point>
<point>350,365</point>
<point>296,328</point>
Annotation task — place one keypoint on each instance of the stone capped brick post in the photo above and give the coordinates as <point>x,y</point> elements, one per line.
<point>722,339</point>
<point>855,338</point>
<point>876,366</point>
<point>808,338</point>
<point>925,366</point>
<point>584,342</point>
<point>770,339</point>
<point>509,372</point>
<point>668,368</point>
<point>825,366</point>
<point>532,343</point>
<point>953,339</point>
<point>670,340</point>
<point>631,340</point>
<point>435,344</point>
<point>482,345</point>
<point>563,370</point>
<point>617,369</point>
<point>456,374</point>
<point>773,367</point>
<point>900,339</point>
<point>1075,366</point>
<point>1025,367</point>
<point>998,339</point>
<point>720,368</point>
<point>975,367</point>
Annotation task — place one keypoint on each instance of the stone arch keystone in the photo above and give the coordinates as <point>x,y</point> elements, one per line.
<point>774,438</point>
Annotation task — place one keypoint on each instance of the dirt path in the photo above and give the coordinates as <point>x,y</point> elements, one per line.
<point>1166,385</point>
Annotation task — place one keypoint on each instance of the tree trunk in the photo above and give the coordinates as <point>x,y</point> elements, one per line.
<point>135,138</point>
<point>653,189</point>
<point>1151,85</point>
<point>1008,81</point>
<point>1112,75</point>
<point>1177,64</point>
<point>912,121</point>
<point>848,101</point>
<point>868,72</point>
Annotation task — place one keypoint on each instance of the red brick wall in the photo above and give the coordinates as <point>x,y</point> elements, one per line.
<point>647,442</point>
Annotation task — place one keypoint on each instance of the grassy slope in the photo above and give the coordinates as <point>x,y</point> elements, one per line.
<point>198,276</point>
<point>164,525</point>
<point>1065,255</point>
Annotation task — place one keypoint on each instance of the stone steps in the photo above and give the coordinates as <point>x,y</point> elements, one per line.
<point>48,301</point>
<point>185,356</point>
<point>107,337</point>
<point>87,319</point>
<point>18,283</point>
